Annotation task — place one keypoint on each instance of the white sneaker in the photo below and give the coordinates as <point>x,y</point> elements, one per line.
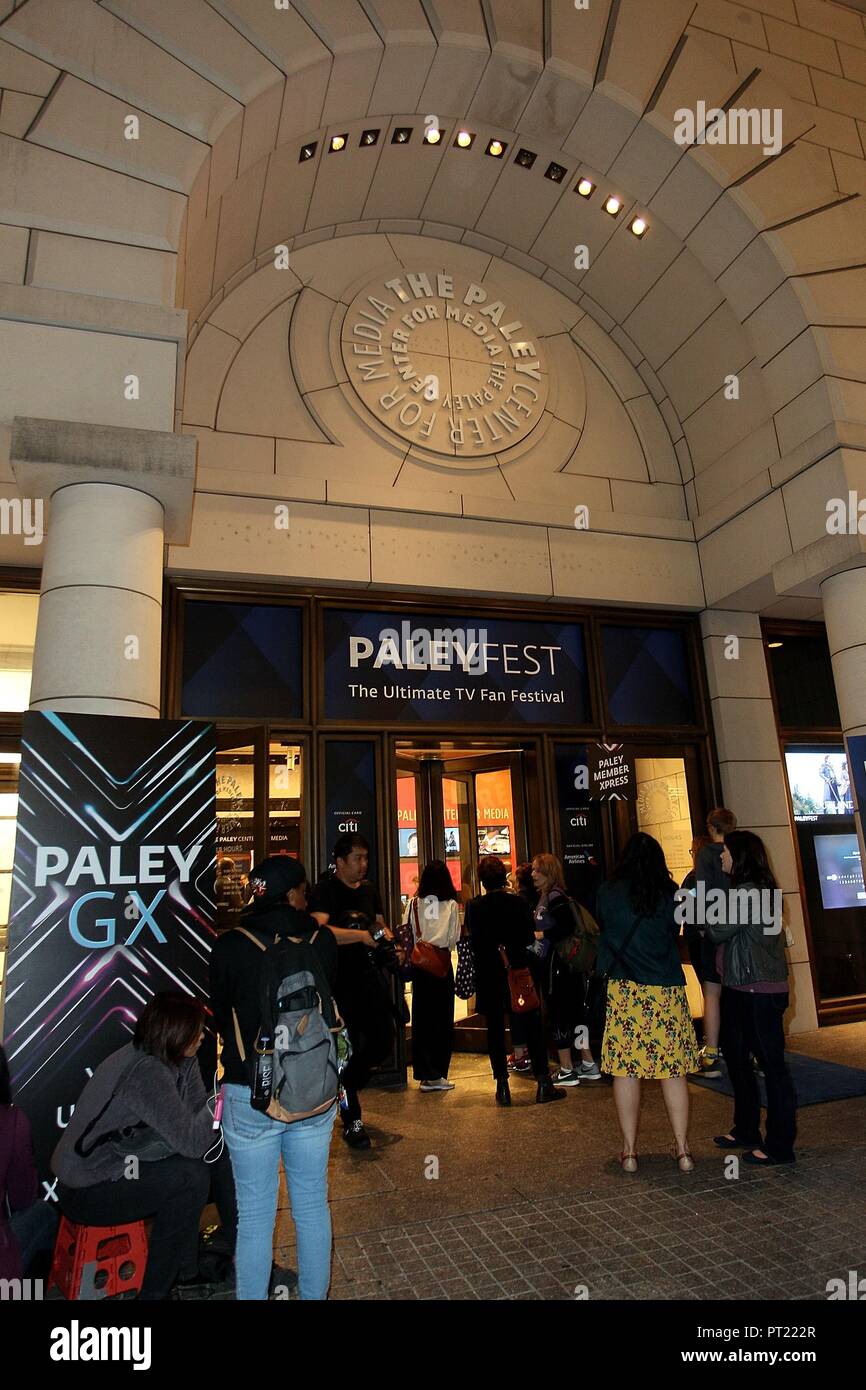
<point>589,1071</point>
<point>440,1084</point>
<point>566,1077</point>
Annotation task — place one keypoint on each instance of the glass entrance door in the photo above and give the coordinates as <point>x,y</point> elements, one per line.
<point>457,805</point>
<point>668,806</point>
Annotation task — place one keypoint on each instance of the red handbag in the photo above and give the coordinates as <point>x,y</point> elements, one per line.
<point>426,956</point>
<point>521,987</point>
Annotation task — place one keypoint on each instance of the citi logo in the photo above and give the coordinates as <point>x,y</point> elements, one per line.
<point>77,1343</point>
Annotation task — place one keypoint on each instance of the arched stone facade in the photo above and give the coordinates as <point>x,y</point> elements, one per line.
<point>150,164</point>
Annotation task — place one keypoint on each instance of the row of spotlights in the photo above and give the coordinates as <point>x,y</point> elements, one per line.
<point>496,149</point>
<point>401,136</point>
<point>612,205</point>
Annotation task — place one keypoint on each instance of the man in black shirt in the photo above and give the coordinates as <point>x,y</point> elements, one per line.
<point>361,996</point>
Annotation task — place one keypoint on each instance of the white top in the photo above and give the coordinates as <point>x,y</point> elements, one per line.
<point>439,922</point>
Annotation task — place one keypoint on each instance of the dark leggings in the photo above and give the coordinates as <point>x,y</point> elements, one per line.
<point>752,1025</point>
<point>495,1005</point>
<point>173,1191</point>
<point>367,1014</point>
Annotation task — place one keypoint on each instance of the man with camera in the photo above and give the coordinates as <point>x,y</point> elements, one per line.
<point>349,905</point>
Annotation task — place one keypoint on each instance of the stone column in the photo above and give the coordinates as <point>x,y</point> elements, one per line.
<point>753,775</point>
<point>115,497</point>
<point>844,599</point>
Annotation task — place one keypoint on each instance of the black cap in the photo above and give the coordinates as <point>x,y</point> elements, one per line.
<point>273,878</point>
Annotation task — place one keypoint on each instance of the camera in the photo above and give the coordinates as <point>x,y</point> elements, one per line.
<point>384,954</point>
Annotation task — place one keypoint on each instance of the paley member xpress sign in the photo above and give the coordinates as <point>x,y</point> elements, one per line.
<point>611,772</point>
<point>431,668</point>
<point>112,895</point>
<point>445,362</point>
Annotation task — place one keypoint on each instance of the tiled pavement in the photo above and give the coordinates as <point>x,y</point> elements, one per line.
<point>530,1203</point>
<point>767,1235</point>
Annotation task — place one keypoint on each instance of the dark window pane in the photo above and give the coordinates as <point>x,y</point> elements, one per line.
<point>647,675</point>
<point>242,660</point>
<point>803,677</point>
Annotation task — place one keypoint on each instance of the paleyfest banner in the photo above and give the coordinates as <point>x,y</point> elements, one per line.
<point>112,896</point>
<point>432,668</point>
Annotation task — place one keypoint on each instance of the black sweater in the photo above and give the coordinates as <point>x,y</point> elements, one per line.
<point>171,1100</point>
<point>235,976</point>
<point>493,920</point>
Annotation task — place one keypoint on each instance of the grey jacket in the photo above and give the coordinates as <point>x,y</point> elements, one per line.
<point>171,1100</point>
<point>752,955</point>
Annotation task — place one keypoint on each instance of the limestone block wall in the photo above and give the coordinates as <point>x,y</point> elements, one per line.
<point>270,397</point>
<point>751,264</point>
<point>753,777</point>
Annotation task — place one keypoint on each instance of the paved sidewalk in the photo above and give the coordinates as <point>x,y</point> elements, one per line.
<point>530,1203</point>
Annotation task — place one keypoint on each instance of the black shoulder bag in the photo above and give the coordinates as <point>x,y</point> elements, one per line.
<point>595,988</point>
<point>139,1141</point>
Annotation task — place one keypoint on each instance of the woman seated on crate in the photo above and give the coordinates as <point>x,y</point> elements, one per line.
<point>135,1144</point>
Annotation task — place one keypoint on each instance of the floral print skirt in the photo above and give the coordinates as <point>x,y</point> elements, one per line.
<point>648,1031</point>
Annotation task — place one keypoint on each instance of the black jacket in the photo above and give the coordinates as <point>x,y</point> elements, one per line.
<point>754,953</point>
<point>236,972</point>
<point>493,920</point>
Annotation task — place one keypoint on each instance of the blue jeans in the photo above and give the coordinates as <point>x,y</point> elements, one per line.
<point>256,1143</point>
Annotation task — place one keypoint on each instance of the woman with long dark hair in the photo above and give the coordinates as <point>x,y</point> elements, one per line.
<point>754,972</point>
<point>649,1034</point>
<point>499,924</point>
<point>144,1116</point>
<point>434,920</point>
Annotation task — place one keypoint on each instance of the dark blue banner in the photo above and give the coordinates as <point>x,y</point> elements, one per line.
<point>386,668</point>
<point>350,795</point>
<point>112,895</point>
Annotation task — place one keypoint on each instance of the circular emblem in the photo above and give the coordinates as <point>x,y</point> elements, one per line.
<point>446,363</point>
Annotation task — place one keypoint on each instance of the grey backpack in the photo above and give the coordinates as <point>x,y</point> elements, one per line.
<point>299,1016</point>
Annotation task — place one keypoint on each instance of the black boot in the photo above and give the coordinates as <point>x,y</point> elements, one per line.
<point>503,1093</point>
<point>356,1136</point>
<point>547,1092</point>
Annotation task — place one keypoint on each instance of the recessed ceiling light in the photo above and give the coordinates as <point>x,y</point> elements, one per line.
<point>464,139</point>
<point>307,151</point>
<point>585,188</point>
<point>338,142</point>
<point>432,135</point>
<point>555,172</point>
<point>771,645</point>
<point>639,226</point>
<point>370,137</point>
<point>525,158</point>
<point>496,149</point>
<point>613,205</point>
<point>401,135</point>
